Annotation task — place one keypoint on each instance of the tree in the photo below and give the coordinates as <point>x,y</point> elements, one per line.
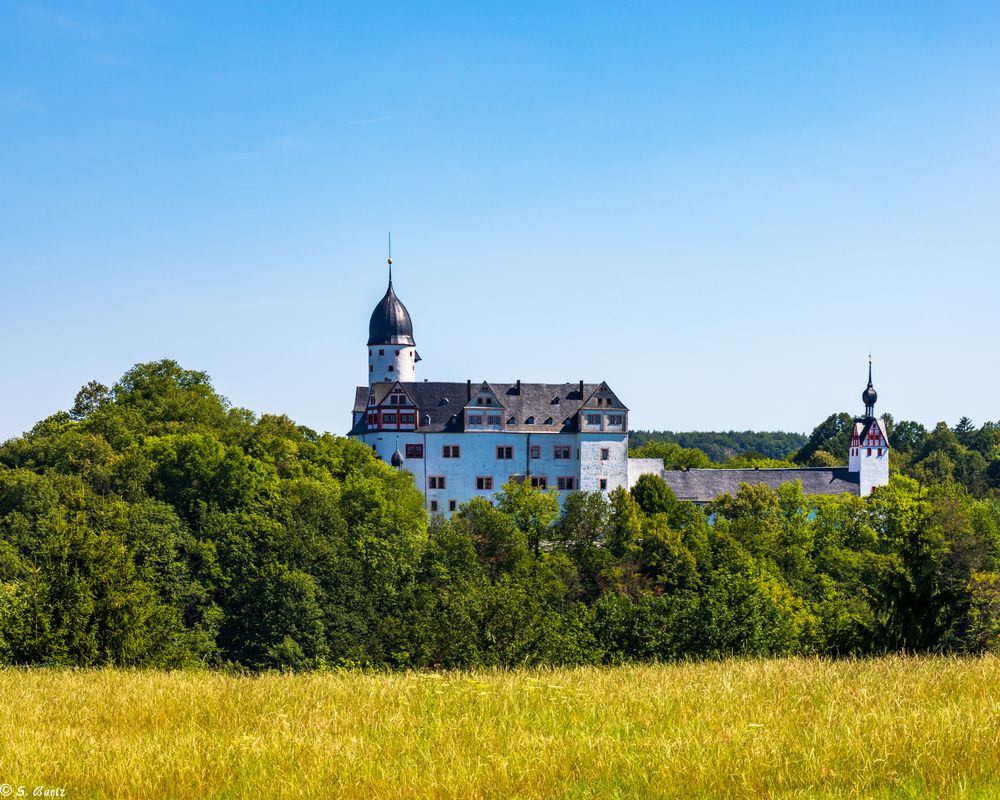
<point>532,510</point>
<point>654,496</point>
<point>91,397</point>
<point>832,435</point>
<point>908,437</point>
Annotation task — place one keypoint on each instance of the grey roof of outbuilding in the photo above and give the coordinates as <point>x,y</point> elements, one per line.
<point>703,485</point>
<point>445,403</point>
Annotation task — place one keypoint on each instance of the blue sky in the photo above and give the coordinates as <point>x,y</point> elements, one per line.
<point>717,208</point>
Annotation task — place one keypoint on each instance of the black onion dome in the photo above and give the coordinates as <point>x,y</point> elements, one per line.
<point>397,459</point>
<point>390,322</point>
<point>869,396</point>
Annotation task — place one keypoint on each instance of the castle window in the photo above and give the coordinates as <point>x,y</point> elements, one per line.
<point>407,419</point>
<point>435,482</point>
<point>505,453</point>
<point>479,401</point>
<point>604,484</point>
<point>616,419</point>
<point>561,451</point>
<point>475,419</point>
<point>451,451</point>
<point>452,505</point>
<point>565,483</point>
<point>391,368</point>
<point>493,419</point>
<point>869,451</point>
<point>371,367</point>
<point>434,506</point>
<point>539,482</point>
<point>389,419</point>
<point>605,454</point>
<point>484,483</point>
<point>536,451</point>
<point>414,451</point>
<point>880,451</point>
<point>381,352</point>
<point>593,419</point>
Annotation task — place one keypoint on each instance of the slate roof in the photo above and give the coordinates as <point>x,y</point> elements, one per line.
<point>552,406</point>
<point>703,485</point>
<point>390,322</point>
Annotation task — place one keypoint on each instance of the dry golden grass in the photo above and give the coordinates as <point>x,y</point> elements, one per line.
<point>894,727</point>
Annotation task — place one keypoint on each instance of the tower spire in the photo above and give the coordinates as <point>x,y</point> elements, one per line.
<point>869,395</point>
<point>390,258</point>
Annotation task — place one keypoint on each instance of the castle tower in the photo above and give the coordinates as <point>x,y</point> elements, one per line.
<point>392,354</point>
<point>869,449</point>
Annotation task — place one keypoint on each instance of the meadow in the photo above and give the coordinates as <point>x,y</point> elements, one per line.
<point>890,727</point>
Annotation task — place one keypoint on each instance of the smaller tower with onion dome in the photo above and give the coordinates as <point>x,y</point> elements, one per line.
<point>869,450</point>
<point>392,353</point>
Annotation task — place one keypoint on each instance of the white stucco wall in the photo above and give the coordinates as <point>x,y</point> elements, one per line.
<point>874,470</point>
<point>478,458</point>
<point>593,468</point>
<point>637,467</point>
<point>853,459</point>
<point>402,359</point>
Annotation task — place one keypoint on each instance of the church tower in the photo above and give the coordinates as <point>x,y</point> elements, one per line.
<point>869,450</point>
<point>392,353</point>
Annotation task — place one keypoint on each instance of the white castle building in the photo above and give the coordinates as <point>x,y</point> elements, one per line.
<point>467,439</point>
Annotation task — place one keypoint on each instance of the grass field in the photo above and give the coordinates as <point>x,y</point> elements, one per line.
<point>895,727</point>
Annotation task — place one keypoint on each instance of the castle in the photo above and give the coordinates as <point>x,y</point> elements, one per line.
<point>467,439</point>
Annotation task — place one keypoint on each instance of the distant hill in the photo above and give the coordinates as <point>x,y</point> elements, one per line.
<point>720,446</point>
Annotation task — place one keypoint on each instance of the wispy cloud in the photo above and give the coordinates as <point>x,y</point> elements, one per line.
<point>18,100</point>
<point>58,20</point>
<point>107,59</point>
<point>369,121</point>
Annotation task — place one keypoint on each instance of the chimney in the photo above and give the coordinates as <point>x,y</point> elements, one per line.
<point>519,386</point>
<point>581,390</point>
<point>468,391</point>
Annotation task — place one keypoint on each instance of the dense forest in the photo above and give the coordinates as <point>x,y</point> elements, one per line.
<point>722,446</point>
<point>154,524</point>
